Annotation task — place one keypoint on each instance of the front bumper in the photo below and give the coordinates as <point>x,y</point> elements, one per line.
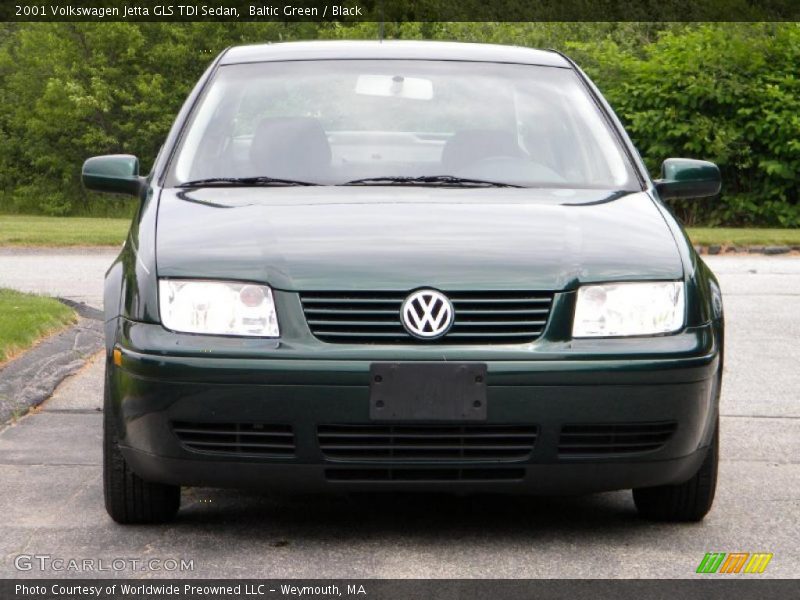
<point>157,386</point>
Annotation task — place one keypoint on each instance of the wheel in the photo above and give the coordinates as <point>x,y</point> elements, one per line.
<point>687,501</point>
<point>129,498</point>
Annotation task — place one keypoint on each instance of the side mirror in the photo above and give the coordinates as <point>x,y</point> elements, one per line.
<point>113,173</point>
<point>688,178</point>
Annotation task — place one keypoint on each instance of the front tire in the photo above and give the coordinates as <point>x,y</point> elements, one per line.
<point>689,501</point>
<point>130,499</point>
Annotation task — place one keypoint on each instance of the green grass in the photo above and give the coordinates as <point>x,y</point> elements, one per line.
<point>24,230</point>
<point>25,318</point>
<point>707,236</point>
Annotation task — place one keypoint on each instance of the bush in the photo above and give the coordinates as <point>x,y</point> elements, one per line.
<point>728,93</point>
<point>72,90</point>
<point>725,92</point>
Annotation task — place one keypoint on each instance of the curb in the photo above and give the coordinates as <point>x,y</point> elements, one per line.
<point>31,378</point>
<point>714,249</point>
<point>83,310</point>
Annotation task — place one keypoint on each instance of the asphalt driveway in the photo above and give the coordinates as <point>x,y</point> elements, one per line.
<point>72,273</point>
<point>51,497</point>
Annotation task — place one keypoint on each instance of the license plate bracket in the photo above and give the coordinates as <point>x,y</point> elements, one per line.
<point>427,392</point>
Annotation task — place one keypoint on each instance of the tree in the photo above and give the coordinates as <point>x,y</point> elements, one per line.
<point>727,92</point>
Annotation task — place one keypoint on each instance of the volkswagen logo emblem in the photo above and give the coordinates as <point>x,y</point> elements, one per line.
<point>427,314</point>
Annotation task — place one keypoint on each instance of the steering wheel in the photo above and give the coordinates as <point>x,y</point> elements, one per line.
<point>509,168</point>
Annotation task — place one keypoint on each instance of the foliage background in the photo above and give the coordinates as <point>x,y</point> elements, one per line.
<point>726,92</point>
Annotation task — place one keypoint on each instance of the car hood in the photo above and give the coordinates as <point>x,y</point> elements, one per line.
<point>401,238</point>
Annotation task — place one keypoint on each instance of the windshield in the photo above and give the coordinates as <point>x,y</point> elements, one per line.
<point>369,122</point>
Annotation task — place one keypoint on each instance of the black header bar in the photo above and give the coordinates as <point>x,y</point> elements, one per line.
<point>400,10</point>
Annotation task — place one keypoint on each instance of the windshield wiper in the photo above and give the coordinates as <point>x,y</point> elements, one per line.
<point>244,182</point>
<point>443,180</point>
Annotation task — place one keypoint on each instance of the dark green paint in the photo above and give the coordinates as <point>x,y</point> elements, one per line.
<point>346,238</point>
<point>340,238</point>
<point>688,178</point>
<point>114,173</point>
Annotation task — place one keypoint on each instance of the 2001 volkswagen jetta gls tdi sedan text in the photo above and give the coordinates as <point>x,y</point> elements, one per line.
<point>416,266</point>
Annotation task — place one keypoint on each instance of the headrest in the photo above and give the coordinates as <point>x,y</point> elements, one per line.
<point>290,148</point>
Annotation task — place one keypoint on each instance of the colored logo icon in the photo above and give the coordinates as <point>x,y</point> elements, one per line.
<point>734,562</point>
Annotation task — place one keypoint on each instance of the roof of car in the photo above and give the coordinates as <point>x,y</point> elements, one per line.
<point>395,50</point>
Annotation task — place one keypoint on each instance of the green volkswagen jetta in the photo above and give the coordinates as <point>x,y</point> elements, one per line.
<point>407,266</point>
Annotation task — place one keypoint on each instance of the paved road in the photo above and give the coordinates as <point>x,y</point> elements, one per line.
<point>51,499</point>
<point>73,273</point>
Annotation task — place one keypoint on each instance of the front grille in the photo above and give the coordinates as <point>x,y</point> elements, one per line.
<point>236,438</point>
<point>374,317</point>
<point>613,438</point>
<point>424,475</point>
<point>427,443</point>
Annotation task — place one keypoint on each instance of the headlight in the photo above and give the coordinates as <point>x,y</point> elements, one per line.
<point>217,308</point>
<point>620,309</point>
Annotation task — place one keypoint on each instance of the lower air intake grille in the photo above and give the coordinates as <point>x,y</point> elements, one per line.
<point>426,442</point>
<point>424,475</point>
<point>236,438</point>
<point>374,317</point>
<point>613,438</point>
